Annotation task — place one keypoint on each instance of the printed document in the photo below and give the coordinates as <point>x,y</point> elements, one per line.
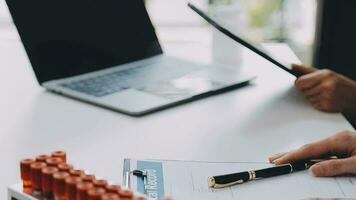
<point>184,180</point>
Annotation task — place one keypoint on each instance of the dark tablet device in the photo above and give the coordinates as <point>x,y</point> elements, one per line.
<point>243,42</point>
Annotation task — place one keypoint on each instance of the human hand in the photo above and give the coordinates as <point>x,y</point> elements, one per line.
<point>326,90</point>
<point>342,145</point>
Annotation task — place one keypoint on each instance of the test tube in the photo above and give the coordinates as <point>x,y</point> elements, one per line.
<point>88,178</point>
<point>126,194</point>
<point>76,172</point>
<point>113,189</point>
<point>42,158</point>
<point>47,181</point>
<point>95,193</point>
<point>64,167</point>
<point>53,162</point>
<point>25,167</point>
<point>59,185</point>
<point>36,177</point>
<point>60,154</point>
<point>71,187</point>
<point>82,190</point>
<point>110,196</point>
<point>100,183</point>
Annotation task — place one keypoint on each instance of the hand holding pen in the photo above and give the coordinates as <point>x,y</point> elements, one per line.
<point>342,145</point>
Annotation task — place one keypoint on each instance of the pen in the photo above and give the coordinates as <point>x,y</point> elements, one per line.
<point>227,180</point>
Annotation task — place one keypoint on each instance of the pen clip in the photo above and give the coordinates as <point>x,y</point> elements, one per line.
<point>213,184</point>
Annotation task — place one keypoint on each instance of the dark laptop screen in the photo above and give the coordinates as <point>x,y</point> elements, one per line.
<point>71,37</point>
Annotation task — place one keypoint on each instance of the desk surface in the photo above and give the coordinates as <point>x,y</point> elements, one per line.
<point>248,124</point>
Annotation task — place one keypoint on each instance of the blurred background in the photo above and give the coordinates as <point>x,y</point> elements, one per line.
<point>289,21</point>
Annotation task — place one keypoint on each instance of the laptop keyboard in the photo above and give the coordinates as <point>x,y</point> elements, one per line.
<point>104,84</point>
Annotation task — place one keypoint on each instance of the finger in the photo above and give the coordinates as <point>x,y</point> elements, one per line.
<point>314,150</point>
<point>314,91</point>
<point>311,80</point>
<point>314,99</point>
<point>318,106</point>
<point>334,167</point>
<point>335,145</point>
<point>303,69</point>
<point>276,156</point>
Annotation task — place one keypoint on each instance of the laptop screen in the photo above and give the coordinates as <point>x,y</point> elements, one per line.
<point>66,38</point>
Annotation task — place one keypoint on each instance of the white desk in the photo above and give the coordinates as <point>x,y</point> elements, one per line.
<point>248,124</point>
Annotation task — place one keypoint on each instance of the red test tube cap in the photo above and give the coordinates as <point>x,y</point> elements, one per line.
<point>110,196</point>
<point>64,167</point>
<point>60,154</point>
<point>126,193</point>
<point>95,193</point>
<point>53,162</point>
<point>76,172</point>
<point>88,178</point>
<point>113,189</point>
<point>100,183</point>
<point>42,158</point>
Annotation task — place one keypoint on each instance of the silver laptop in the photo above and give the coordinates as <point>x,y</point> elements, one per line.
<point>107,53</point>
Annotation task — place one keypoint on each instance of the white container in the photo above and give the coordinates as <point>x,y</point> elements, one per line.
<point>224,49</point>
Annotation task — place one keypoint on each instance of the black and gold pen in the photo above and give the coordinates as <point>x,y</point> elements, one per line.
<point>227,180</point>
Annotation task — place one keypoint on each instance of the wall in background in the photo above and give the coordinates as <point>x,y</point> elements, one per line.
<point>288,21</point>
<point>4,15</point>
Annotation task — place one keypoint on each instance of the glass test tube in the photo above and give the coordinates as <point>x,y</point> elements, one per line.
<point>71,187</point>
<point>36,177</point>
<point>47,181</point>
<point>59,185</point>
<point>25,167</point>
<point>82,190</point>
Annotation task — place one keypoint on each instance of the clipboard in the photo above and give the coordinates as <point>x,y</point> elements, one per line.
<point>147,176</point>
<point>188,180</point>
<point>248,44</point>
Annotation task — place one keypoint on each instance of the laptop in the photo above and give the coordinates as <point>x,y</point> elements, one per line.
<point>107,53</point>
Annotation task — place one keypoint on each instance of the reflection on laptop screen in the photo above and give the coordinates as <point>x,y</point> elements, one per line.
<point>65,38</point>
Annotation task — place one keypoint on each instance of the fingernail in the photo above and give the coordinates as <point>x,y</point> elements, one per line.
<point>272,158</point>
<point>276,161</point>
<point>313,170</point>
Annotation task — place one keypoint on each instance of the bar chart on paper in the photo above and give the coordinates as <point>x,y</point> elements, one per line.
<point>188,180</point>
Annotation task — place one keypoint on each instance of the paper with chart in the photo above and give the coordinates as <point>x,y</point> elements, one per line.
<point>188,180</point>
